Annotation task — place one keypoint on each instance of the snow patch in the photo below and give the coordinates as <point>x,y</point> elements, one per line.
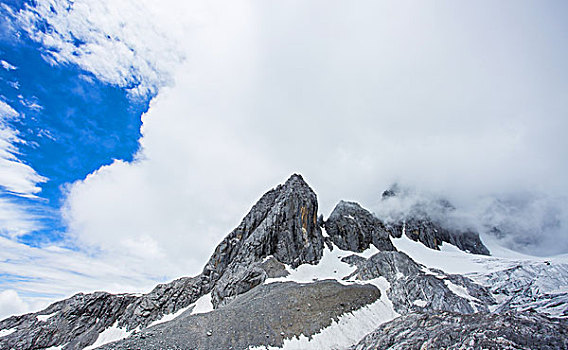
<point>329,267</point>
<point>460,291</point>
<point>6,332</point>
<point>449,259</point>
<point>60,347</point>
<point>203,305</point>
<point>43,318</point>
<point>169,317</point>
<point>369,252</point>
<point>420,302</point>
<point>109,335</point>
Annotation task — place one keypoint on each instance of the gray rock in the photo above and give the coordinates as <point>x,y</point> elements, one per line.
<point>433,234</point>
<point>353,228</point>
<point>283,224</point>
<point>413,287</point>
<point>263,316</point>
<point>274,268</point>
<point>163,299</point>
<point>448,330</point>
<point>76,321</point>
<point>427,222</point>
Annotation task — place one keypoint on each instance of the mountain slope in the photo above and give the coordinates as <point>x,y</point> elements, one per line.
<point>281,280</point>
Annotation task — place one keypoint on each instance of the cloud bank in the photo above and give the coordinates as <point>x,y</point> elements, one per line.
<point>467,101</point>
<point>354,98</point>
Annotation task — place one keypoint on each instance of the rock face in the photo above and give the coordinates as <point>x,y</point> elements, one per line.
<point>432,235</point>
<point>274,312</point>
<point>414,287</point>
<point>353,228</point>
<point>283,224</point>
<point>76,321</point>
<point>165,299</point>
<point>448,330</point>
<point>280,233</point>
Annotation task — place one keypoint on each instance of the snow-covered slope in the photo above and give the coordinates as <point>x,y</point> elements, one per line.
<point>519,282</point>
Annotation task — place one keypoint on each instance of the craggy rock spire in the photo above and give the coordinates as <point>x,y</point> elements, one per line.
<point>282,224</point>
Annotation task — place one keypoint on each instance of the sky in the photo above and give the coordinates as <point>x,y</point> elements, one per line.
<point>134,135</point>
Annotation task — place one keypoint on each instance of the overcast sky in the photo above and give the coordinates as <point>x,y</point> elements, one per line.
<point>463,100</point>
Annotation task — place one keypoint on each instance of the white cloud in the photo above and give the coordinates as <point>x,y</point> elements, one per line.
<point>16,178</point>
<point>7,65</point>
<point>11,304</point>
<point>42,275</point>
<point>354,98</point>
<point>6,111</point>
<point>456,100</point>
<point>16,219</point>
<point>118,42</point>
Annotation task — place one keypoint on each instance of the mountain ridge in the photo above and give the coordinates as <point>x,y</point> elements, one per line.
<point>279,236</point>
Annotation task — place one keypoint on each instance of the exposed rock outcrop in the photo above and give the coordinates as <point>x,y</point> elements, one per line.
<point>353,228</point>
<point>448,330</point>
<point>433,234</point>
<point>426,222</point>
<point>413,287</point>
<point>76,321</point>
<point>164,299</point>
<point>280,228</point>
<point>283,224</point>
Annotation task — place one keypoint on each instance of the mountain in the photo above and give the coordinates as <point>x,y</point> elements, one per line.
<point>286,278</point>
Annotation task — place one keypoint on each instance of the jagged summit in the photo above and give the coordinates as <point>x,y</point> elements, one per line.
<point>282,224</point>
<point>277,279</point>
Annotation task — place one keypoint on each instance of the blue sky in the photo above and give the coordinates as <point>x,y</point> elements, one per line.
<point>72,123</point>
<point>68,123</point>
<point>135,134</point>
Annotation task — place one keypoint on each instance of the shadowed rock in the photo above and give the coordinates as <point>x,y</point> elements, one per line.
<point>353,228</point>
<point>432,235</point>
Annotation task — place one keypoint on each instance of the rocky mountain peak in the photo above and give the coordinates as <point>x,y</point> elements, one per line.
<point>282,224</point>
<point>280,233</point>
